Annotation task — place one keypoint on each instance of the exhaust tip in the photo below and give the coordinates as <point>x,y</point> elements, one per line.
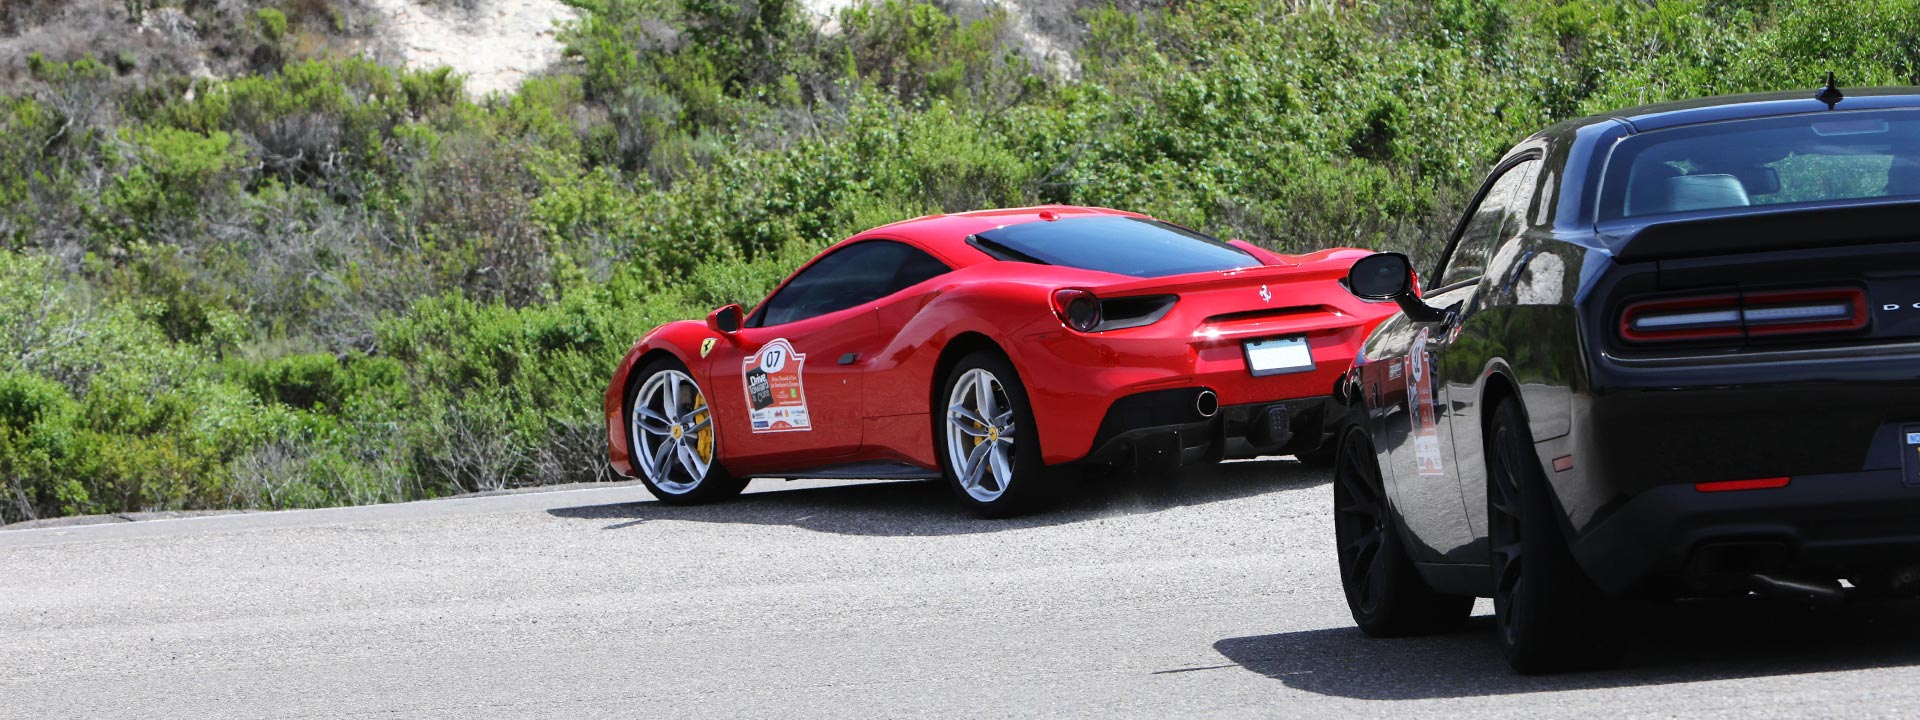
<point>1811,591</point>
<point>1206,403</point>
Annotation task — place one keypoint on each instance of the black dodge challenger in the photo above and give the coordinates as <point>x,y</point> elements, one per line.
<point>1673,350</point>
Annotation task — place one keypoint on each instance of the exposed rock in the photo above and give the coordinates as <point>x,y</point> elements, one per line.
<point>496,44</point>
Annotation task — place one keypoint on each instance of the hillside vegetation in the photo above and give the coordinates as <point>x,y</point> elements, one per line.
<point>285,274</point>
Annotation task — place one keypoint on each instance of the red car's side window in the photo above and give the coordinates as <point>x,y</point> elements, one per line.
<point>853,275</point>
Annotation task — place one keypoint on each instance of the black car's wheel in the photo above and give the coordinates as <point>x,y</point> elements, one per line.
<point>985,437</point>
<point>1549,615</point>
<point>1384,591</point>
<point>671,438</point>
<point>1323,456</point>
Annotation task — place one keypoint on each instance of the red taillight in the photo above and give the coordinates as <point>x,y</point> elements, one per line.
<point>1754,484</point>
<point>1735,315</point>
<point>1079,309</point>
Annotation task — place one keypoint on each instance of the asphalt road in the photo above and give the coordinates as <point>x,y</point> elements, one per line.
<point>1219,599</point>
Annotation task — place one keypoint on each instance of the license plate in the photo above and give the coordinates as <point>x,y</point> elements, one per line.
<point>1910,454</point>
<point>1278,355</point>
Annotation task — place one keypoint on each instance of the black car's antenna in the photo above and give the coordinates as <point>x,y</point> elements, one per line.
<point>1830,94</point>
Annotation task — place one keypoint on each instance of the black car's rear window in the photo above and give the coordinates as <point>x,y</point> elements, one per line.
<point>1769,161</point>
<point>1123,245</point>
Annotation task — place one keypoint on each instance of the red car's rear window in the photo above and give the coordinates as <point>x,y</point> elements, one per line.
<point>1122,245</point>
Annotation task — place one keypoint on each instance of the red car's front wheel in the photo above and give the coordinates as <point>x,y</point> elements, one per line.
<point>672,440</point>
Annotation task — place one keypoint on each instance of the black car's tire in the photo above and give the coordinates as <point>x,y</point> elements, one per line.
<point>1348,413</point>
<point>1323,456</point>
<point>1549,615</point>
<point>991,458</point>
<point>671,439</point>
<point>1385,593</point>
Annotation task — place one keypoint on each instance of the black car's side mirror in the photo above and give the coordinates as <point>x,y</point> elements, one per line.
<point>726,320</point>
<point>1389,276</point>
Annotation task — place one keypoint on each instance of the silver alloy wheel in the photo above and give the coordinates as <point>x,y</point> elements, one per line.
<point>672,432</point>
<point>980,435</point>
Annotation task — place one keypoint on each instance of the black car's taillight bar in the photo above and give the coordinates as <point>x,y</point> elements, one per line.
<point>1728,315</point>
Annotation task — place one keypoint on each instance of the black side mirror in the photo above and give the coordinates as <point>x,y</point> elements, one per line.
<point>726,320</point>
<point>1381,276</point>
<point>1389,276</point>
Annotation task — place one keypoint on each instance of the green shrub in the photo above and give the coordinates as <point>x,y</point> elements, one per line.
<point>306,382</point>
<point>37,440</point>
<point>271,23</point>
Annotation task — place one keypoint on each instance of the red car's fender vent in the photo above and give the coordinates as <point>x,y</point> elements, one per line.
<point>1735,315</point>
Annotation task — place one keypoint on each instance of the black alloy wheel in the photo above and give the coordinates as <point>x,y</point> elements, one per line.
<point>1385,593</point>
<point>1549,615</point>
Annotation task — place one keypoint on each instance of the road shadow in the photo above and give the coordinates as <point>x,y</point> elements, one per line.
<point>927,507</point>
<point>1685,642</point>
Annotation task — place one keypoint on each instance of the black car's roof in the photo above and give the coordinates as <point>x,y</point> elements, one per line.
<point>1739,107</point>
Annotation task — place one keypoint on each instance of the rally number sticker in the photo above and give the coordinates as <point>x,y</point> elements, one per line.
<point>776,398</point>
<point>1426,417</point>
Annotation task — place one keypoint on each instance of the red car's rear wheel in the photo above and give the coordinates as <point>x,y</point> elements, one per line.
<point>989,450</point>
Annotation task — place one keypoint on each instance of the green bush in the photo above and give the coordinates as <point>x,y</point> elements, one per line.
<point>37,440</point>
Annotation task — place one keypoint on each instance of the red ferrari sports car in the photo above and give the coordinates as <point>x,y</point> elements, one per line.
<point>991,348</point>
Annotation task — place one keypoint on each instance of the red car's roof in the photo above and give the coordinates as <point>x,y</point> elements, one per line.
<point>946,235</point>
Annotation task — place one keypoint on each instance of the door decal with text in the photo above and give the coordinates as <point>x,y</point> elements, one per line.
<point>1426,420</point>
<point>776,400</point>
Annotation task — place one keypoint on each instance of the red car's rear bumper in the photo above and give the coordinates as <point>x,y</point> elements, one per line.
<point>1076,381</point>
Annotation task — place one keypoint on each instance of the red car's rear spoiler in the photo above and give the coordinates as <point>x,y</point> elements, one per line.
<point>1214,280</point>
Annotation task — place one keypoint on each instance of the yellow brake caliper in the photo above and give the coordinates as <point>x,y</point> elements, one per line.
<point>703,441</point>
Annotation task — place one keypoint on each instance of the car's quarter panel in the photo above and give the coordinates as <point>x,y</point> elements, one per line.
<point>1507,319</point>
<point>989,301</point>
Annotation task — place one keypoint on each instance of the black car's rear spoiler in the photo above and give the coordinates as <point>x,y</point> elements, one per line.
<point>1853,224</point>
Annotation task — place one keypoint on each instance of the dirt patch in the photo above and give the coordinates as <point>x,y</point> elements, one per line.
<point>496,43</point>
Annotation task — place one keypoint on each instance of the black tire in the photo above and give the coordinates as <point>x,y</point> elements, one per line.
<point>1321,457</point>
<point>1385,593</point>
<point>1347,412</point>
<point>1549,615</point>
<point>1029,484</point>
<point>679,485</point>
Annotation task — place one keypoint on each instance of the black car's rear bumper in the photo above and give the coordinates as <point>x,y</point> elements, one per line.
<point>1833,425</point>
<point>1830,525</point>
